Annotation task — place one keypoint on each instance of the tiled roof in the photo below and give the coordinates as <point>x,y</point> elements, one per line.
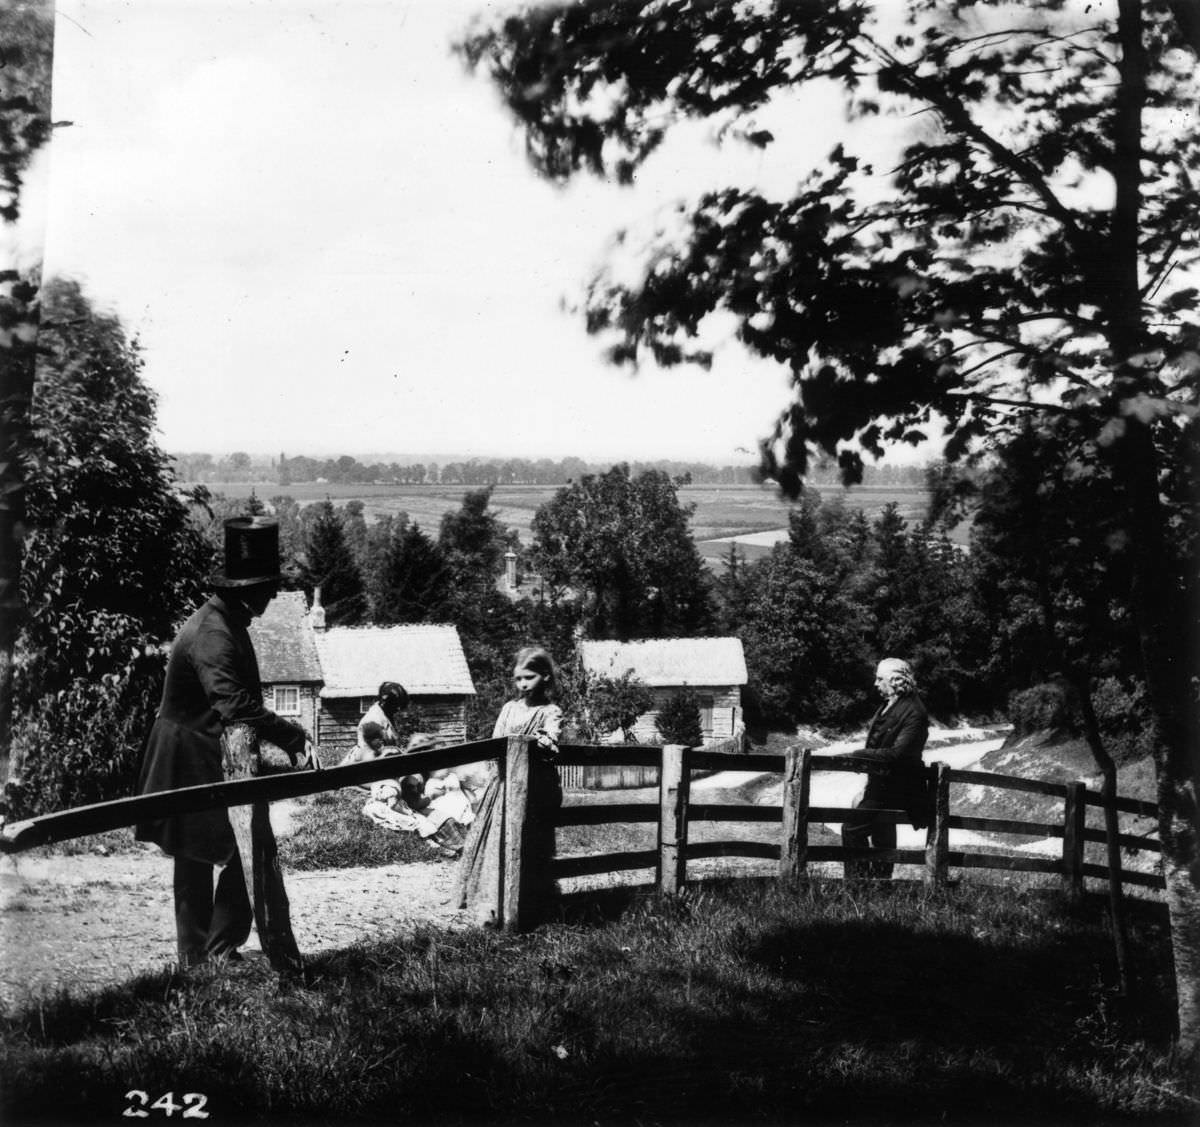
<point>669,661</point>
<point>284,643</point>
<point>426,659</point>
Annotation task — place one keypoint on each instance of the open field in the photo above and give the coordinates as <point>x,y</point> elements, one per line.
<point>722,511</point>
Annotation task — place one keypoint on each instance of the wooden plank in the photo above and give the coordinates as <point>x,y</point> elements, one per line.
<point>699,850</point>
<point>1074,823</point>
<point>1008,782</point>
<point>516,804</point>
<point>603,755</point>
<point>937,837</point>
<point>1008,863</point>
<point>793,847</point>
<point>817,853</point>
<point>260,855</point>
<point>1125,841</point>
<point>1006,826</point>
<point>608,814</point>
<point>703,760</point>
<point>1128,876</point>
<point>673,813</point>
<point>80,821</point>
<point>733,812</point>
<point>1126,805</point>
<point>593,864</point>
<point>846,765</point>
<point>841,813</point>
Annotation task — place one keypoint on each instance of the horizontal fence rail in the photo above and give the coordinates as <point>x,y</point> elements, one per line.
<point>102,816</point>
<point>676,815</point>
<point>679,811</point>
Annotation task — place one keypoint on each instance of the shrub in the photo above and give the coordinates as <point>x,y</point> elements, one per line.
<point>83,744</point>
<point>679,719</point>
<point>1124,718</point>
<point>1044,707</point>
<point>606,704</point>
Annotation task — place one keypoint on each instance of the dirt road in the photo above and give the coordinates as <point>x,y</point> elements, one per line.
<point>87,920</point>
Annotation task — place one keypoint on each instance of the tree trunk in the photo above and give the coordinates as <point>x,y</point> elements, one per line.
<point>1108,770</point>
<point>1168,661</point>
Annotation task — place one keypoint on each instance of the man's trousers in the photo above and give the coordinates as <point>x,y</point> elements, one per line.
<point>210,925</point>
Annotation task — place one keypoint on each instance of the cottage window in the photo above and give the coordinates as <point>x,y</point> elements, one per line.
<point>363,704</point>
<point>287,700</point>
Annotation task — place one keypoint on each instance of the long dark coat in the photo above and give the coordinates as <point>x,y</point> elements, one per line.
<point>212,681</point>
<point>897,737</point>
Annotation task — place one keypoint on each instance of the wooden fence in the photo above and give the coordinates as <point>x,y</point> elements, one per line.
<point>675,814</point>
<point>612,768</point>
<point>678,811</point>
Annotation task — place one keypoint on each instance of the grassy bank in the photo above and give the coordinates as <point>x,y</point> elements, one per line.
<point>735,1004</point>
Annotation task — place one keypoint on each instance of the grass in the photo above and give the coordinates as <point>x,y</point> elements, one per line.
<point>329,832</point>
<point>735,1003</point>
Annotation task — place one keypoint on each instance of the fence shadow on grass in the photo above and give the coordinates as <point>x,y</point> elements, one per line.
<point>734,1003</point>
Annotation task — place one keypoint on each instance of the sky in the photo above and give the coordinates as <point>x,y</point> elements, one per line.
<point>326,237</point>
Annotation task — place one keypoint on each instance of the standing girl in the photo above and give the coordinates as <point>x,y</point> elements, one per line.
<point>531,713</point>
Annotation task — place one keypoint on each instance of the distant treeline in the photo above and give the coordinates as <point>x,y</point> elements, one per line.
<point>345,470</point>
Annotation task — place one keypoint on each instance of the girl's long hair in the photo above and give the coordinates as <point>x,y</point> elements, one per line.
<point>539,661</point>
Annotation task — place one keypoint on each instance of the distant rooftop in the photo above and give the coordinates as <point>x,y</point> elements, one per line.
<point>669,661</point>
<point>283,643</point>
<point>426,659</point>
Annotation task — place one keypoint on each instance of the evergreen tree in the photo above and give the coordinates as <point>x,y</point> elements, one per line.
<point>414,581</point>
<point>332,567</point>
<point>472,538</point>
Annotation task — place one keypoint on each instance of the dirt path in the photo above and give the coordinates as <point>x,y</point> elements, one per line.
<point>88,920</point>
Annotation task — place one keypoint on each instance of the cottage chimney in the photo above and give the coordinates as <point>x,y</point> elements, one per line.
<point>316,614</point>
<point>510,569</point>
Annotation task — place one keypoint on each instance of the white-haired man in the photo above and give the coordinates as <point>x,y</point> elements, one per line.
<point>896,739</point>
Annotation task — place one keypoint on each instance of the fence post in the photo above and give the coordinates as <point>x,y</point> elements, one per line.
<point>937,838</point>
<point>673,787</point>
<point>516,802</point>
<point>1074,823</point>
<point>241,757</point>
<point>793,849</point>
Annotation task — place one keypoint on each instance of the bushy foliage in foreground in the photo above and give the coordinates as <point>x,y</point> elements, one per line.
<point>111,564</point>
<point>737,1004</point>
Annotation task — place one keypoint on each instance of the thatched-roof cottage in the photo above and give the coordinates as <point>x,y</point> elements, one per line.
<point>328,677</point>
<point>427,659</point>
<point>713,668</point>
<point>287,659</point>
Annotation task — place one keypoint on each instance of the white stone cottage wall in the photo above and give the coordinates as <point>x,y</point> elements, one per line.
<point>309,706</point>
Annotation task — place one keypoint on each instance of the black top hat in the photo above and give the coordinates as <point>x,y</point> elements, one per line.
<point>251,552</point>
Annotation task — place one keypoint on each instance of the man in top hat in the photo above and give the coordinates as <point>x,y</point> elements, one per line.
<point>212,681</point>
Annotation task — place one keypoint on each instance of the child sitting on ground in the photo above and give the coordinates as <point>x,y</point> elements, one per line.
<point>401,804</point>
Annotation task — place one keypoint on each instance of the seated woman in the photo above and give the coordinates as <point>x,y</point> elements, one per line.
<point>379,721</point>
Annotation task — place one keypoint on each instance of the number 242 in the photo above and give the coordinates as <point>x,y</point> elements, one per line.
<point>192,1106</point>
